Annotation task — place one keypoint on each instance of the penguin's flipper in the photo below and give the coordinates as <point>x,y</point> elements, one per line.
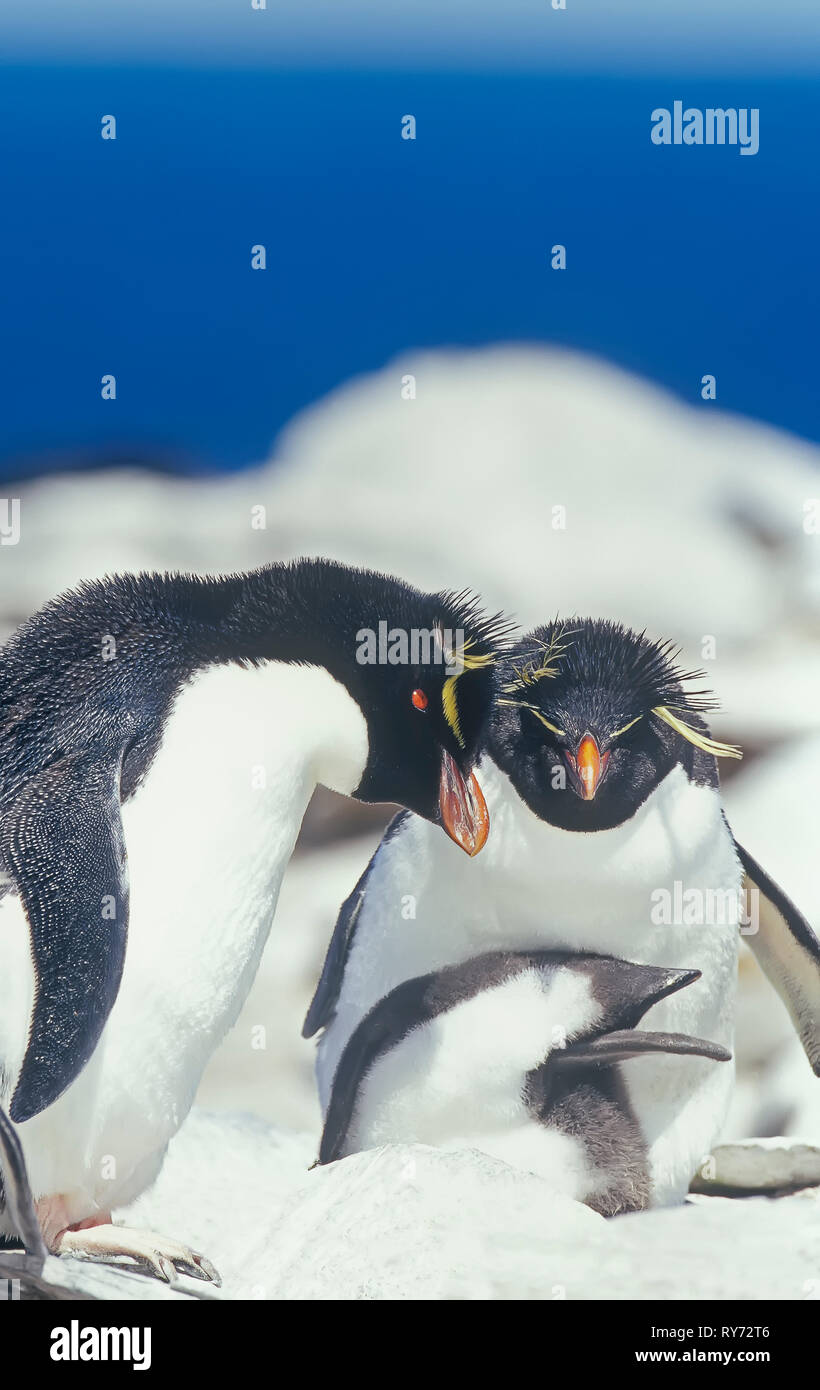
<point>621,1045</point>
<point>323,1003</point>
<point>409,1004</point>
<point>62,841</point>
<point>789,953</point>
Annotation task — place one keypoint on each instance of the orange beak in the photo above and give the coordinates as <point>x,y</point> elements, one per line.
<point>464,813</point>
<point>590,765</point>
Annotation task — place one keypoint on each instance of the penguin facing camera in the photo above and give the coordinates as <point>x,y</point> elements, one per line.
<point>601,778</point>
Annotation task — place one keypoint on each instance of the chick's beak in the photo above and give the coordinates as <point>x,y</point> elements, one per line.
<point>464,813</point>
<point>590,765</point>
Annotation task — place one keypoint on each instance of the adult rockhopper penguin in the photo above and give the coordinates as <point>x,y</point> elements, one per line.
<point>609,836</point>
<point>160,738</point>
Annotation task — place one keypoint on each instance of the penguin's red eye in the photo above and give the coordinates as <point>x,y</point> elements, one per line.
<point>419,699</point>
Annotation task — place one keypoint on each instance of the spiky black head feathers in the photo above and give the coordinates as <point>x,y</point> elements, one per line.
<point>591,715</point>
<point>490,635</point>
<point>593,653</point>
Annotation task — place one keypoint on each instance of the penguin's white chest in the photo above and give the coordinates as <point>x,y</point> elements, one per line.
<point>208,836</point>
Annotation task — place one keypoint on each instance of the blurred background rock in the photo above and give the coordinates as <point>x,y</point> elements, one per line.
<point>534,389</point>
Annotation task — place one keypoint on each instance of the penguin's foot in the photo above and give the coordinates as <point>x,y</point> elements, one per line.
<point>153,1254</point>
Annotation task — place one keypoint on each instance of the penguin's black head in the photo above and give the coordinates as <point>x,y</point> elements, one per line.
<point>420,666</point>
<point>425,683</point>
<point>591,716</point>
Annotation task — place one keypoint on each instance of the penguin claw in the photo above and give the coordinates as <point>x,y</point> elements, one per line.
<point>163,1269</point>
<point>198,1267</point>
<point>152,1254</point>
<point>207,1270</point>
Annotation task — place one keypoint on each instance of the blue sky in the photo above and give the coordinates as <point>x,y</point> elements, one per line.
<point>238,126</point>
<point>722,34</point>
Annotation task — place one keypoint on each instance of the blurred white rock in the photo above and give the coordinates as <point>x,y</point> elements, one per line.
<point>677,517</point>
<point>774,811</point>
<point>757,1165</point>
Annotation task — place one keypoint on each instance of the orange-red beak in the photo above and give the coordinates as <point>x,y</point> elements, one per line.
<point>590,765</point>
<point>464,813</point>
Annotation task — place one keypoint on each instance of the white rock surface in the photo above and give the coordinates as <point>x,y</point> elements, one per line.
<point>415,1223</point>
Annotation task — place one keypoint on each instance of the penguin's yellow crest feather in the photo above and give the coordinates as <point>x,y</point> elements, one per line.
<point>467,660</point>
<point>695,737</point>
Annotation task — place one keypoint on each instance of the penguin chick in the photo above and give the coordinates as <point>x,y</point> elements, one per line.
<point>517,1054</point>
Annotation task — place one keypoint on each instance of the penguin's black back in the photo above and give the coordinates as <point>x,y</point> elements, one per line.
<point>58,693</point>
<point>98,668</point>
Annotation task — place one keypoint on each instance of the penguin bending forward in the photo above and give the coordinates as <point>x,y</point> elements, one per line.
<point>609,837</point>
<point>160,738</point>
<point>516,1054</point>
